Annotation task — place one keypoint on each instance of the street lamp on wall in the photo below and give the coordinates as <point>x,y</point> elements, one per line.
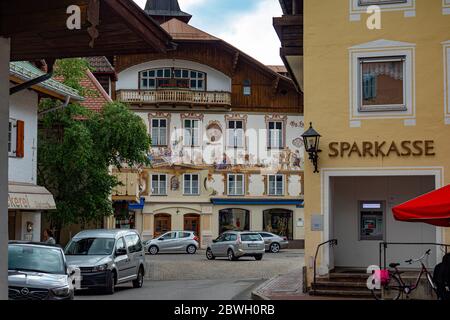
<point>311,140</point>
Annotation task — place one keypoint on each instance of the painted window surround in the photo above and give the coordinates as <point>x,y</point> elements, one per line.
<point>408,7</point>
<point>382,48</point>
<point>283,182</point>
<point>445,7</point>
<point>160,115</point>
<point>446,58</point>
<point>243,184</point>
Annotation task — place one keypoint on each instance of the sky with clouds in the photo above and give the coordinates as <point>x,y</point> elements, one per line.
<point>246,24</point>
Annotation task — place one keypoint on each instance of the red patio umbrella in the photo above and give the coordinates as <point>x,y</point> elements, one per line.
<point>432,208</point>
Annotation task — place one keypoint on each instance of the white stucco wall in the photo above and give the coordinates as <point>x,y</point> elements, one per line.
<point>23,106</point>
<point>216,80</point>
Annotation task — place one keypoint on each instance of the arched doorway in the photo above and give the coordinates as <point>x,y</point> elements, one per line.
<point>163,223</point>
<point>234,219</point>
<point>192,223</point>
<point>280,222</point>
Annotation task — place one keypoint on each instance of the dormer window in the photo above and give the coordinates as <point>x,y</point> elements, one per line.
<point>172,78</point>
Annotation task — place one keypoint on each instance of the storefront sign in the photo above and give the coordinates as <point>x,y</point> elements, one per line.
<point>30,201</point>
<point>365,149</point>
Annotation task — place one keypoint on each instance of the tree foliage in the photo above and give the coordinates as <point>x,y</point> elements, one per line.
<point>76,149</point>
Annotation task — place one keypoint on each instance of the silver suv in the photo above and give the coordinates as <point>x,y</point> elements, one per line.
<point>173,241</point>
<point>107,258</point>
<point>236,244</point>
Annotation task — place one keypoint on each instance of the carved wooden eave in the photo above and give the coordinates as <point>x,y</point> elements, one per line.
<point>108,27</point>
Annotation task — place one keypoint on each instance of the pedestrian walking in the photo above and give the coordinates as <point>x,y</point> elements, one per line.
<point>48,237</point>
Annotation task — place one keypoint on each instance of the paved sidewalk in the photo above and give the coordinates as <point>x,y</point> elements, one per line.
<point>287,286</point>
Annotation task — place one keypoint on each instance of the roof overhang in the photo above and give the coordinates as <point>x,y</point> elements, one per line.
<point>39,31</point>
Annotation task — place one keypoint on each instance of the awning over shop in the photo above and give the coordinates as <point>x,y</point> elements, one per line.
<point>432,208</point>
<point>29,197</point>
<point>254,201</point>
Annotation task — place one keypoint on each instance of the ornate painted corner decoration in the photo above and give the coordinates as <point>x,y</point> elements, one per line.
<point>192,115</point>
<point>93,16</point>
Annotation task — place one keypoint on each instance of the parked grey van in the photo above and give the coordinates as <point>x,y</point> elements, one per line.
<point>107,258</point>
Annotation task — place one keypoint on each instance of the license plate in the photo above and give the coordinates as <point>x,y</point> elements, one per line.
<point>252,245</point>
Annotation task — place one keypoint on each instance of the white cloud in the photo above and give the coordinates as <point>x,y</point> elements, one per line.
<point>253,32</point>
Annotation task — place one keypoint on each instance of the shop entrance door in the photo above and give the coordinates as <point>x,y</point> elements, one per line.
<point>192,223</point>
<point>163,224</point>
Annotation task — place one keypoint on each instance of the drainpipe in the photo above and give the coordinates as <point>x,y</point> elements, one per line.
<point>34,81</point>
<point>65,104</point>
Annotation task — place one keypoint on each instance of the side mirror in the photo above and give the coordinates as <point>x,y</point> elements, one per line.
<point>215,240</point>
<point>73,270</point>
<point>121,252</point>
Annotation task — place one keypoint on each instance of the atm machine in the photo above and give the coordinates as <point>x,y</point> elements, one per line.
<point>372,224</point>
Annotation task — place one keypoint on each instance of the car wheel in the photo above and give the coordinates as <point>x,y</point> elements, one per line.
<point>139,281</point>
<point>110,284</point>
<point>258,257</point>
<point>274,247</point>
<point>209,254</point>
<point>231,255</point>
<point>153,250</point>
<point>191,249</point>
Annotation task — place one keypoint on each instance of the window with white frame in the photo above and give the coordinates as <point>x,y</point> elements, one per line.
<point>172,77</point>
<point>159,132</point>
<point>191,184</point>
<point>276,185</point>
<point>382,78</point>
<point>380,2</point>
<point>381,84</point>
<point>360,6</point>
<point>12,137</point>
<point>159,184</point>
<point>236,185</point>
<point>191,132</point>
<point>275,135</point>
<point>235,133</point>
<point>447,80</point>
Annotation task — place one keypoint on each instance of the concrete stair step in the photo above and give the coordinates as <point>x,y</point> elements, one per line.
<point>343,293</point>
<point>339,285</point>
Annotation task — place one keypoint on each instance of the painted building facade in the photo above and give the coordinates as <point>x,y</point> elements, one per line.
<point>226,133</point>
<point>380,100</point>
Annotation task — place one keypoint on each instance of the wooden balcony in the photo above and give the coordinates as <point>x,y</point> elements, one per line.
<point>175,97</point>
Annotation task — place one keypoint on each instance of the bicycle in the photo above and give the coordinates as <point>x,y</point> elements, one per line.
<point>394,286</point>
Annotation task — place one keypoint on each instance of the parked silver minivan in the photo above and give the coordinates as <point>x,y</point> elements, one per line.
<point>236,244</point>
<point>107,258</point>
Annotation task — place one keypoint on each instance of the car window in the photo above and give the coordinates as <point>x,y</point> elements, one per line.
<point>184,234</point>
<point>233,237</point>
<point>28,258</point>
<point>133,243</point>
<point>251,237</point>
<point>120,244</point>
<point>221,238</point>
<point>170,235</point>
<point>90,247</point>
<point>266,235</point>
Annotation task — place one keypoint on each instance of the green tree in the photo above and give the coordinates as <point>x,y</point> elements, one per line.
<point>76,148</point>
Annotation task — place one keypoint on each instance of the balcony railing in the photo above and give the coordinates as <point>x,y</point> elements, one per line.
<point>172,96</point>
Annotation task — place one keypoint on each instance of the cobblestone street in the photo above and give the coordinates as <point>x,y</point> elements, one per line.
<point>197,267</point>
<point>178,276</point>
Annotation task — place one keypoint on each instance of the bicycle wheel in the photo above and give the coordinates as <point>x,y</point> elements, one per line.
<point>390,291</point>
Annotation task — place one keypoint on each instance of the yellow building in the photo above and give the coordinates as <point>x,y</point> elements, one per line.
<point>380,99</point>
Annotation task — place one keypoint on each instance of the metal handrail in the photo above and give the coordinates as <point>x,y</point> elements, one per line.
<point>332,242</point>
<point>383,248</point>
